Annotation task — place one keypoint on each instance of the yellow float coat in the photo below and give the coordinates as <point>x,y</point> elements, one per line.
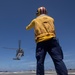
<point>43,28</point>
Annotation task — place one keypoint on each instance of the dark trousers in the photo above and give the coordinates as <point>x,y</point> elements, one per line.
<point>53,48</point>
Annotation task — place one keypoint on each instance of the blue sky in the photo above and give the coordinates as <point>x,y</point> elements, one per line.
<point>15,15</point>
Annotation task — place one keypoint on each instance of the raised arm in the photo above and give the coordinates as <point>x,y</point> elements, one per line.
<point>31,25</point>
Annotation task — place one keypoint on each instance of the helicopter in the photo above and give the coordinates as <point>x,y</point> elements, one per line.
<point>19,52</point>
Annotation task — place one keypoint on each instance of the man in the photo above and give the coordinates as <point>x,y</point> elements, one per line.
<point>46,41</point>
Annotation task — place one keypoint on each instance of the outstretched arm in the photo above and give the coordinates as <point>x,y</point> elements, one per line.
<point>31,25</point>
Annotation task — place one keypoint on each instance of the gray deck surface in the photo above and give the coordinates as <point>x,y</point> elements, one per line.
<point>33,73</point>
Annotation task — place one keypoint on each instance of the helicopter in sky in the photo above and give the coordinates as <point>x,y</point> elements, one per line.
<point>19,52</point>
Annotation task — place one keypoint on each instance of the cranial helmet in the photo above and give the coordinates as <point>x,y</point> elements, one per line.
<point>41,10</point>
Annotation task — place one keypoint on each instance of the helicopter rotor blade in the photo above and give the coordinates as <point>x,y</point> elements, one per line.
<point>19,44</point>
<point>9,48</point>
<point>14,48</point>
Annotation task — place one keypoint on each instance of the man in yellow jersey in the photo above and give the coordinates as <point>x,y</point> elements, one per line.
<point>46,41</point>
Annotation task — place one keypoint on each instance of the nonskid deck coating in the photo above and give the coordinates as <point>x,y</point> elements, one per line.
<point>33,73</point>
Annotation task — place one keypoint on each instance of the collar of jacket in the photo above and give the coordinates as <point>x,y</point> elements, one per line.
<point>42,15</point>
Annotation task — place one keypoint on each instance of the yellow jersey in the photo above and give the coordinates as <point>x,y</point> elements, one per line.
<point>43,27</point>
